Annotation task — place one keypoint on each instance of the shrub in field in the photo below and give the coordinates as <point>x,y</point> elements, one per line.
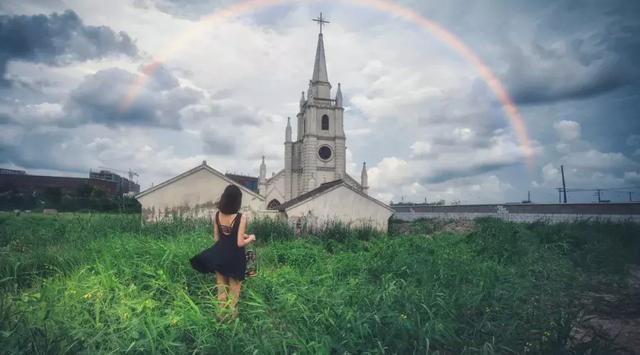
<point>593,246</point>
<point>504,241</point>
<point>269,229</point>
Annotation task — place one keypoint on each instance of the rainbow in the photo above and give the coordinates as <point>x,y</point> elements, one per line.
<point>403,12</point>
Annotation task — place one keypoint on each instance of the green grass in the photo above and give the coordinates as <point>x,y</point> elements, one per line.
<point>106,283</point>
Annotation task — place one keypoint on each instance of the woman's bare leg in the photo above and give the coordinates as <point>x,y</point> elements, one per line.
<point>221,286</point>
<point>234,293</point>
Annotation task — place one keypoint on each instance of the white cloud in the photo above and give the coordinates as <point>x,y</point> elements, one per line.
<point>567,130</point>
<point>421,149</point>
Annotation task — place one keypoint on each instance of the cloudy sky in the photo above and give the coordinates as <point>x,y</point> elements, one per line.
<point>417,111</point>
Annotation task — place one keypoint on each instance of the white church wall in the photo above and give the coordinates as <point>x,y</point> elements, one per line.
<point>324,176</point>
<point>276,189</point>
<point>193,196</point>
<point>344,205</point>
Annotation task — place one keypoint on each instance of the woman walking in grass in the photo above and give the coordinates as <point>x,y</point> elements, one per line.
<point>226,258</point>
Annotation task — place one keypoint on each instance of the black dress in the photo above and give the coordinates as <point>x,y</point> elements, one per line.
<point>224,256</point>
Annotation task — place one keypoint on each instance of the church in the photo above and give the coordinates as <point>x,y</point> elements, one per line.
<point>313,188</point>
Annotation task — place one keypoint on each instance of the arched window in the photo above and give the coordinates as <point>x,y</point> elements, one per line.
<point>273,204</point>
<point>325,122</point>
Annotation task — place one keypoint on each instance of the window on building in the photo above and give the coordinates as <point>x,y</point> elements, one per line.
<point>325,123</point>
<point>273,204</point>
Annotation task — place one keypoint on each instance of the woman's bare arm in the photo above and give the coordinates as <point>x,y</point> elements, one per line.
<point>241,229</point>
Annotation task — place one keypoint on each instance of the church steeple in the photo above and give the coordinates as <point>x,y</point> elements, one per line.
<point>364,178</point>
<point>262,180</point>
<point>287,131</point>
<point>320,64</point>
<point>319,87</point>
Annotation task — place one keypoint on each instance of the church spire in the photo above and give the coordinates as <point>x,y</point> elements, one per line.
<point>262,180</point>
<point>339,96</point>
<point>320,64</point>
<point>364,179</point>
<point>263,170</point>
<point>287,133</point>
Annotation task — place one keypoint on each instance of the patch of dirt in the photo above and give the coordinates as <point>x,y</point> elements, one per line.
<point>427,227</point>
<point>612,319</point>
<point>459,226</point>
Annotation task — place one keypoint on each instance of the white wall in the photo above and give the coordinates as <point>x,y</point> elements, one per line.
<point>192,196</point>
<point>344,205</point>
<point>275,189</point>
<point>520,217</point>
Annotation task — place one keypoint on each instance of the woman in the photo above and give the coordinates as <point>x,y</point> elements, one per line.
<point>226,258</point>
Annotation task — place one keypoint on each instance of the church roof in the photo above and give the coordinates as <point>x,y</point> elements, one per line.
<point>250,182</point>
<point>323,188</point>
<point>351,181</point>
<point>275,176</point>
<point>194,170</point>
<point>320,64</point>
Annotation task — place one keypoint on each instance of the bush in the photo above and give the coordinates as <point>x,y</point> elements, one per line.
<point>269,230</point>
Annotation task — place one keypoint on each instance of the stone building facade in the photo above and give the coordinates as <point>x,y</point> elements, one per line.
<point>318,153</point>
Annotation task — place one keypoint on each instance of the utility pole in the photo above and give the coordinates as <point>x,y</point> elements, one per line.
<point>564,187</point>
<point>529,196</point>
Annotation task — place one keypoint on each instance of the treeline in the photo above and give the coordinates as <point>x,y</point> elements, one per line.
<point>84,199</point>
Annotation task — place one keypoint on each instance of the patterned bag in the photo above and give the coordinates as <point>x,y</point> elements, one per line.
<point>252,265</point>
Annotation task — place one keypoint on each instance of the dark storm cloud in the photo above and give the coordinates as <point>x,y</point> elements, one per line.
<point>578,52</point>
<point>585,76</point>
<point>216,142</point>
<point>57,39</point>
<point>43,150</point>
<point>466,170</point>
<point>101,98</point>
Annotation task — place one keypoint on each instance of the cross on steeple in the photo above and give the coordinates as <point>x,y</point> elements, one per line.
<point>321,21</point>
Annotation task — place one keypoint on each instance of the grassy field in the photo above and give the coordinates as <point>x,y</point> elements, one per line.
<point>104,283</point>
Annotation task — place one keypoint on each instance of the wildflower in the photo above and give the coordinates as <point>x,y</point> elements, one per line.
<point>403,316</point>
<point>174,322</point>
<point>87,296</point>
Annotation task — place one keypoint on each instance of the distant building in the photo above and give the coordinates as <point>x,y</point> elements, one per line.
<point>123,184</point>
<point>25,183</point>
<point>12,172</point>
<point>194,193</point>
<point>20,181</point>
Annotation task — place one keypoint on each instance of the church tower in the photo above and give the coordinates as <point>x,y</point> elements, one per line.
<point>319,154</point>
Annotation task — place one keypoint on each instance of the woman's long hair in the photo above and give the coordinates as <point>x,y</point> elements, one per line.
<point>231,200</point>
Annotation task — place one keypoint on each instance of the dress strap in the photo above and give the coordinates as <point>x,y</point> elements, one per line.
<point>236,218</point>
